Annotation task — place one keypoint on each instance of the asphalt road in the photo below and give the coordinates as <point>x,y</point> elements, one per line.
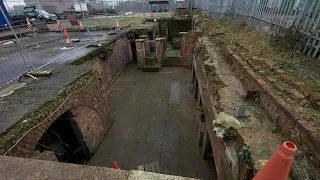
<point>12,64</point>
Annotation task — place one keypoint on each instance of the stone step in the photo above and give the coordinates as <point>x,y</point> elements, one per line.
<point>172,61</point>
<point>152,68</point>
<point>150,60</point>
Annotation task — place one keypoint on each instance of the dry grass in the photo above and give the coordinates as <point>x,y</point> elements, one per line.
<point>113,21</point>
<point>304,68</point>
<point>255,43</point>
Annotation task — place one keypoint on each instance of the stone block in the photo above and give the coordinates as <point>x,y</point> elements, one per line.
<point>160,49</point>
<point>152,68</point>
<point>147,44</point>
<point>141,52</point>
<point>188,43</point>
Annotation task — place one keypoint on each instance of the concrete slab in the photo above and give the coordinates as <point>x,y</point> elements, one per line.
<point>174,99</point>
<point>175,87</point>
<point>138,175</point>
<point>21,168</point>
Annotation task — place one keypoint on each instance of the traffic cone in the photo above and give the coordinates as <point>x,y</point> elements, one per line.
<point>117,26</point>
<point>29,24</point>
<point>59,26</point>
<point>66,34</point>
<point>81,26</point>
<point>115,165</point>
<point>279,165</point>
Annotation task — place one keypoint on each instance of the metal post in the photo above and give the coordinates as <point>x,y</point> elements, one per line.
<point>144,10</point>
<point>124,14</point>
<point>23,53</point>
<point>39,4</point>
<point>171,9</point>
<point>220,7</point>
<point>7,6</point>
<point>84,19</point>
<point>105,9</point>
<point>304,16</point>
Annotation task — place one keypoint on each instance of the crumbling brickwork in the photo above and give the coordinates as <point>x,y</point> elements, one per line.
<point>188,43</point>
<point>286,118</point>
<point>224,150</point>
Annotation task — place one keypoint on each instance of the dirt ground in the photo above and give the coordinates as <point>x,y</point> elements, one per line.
<point>262,144</point>
<point>303,70</point>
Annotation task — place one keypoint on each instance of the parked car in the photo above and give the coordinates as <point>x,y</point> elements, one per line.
<point>61,16</point>
<point>17,18</point>
<point>77,14</point>
<point>35,13</point>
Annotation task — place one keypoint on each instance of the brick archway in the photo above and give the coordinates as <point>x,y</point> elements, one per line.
<point>90,90</point>
<point>72,137</point>
<point>92,115</point>
<point>90,125</point>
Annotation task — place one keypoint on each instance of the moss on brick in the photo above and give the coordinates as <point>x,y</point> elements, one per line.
<point>108,49</point>
<point>15,132</point>
<point>88,57</point>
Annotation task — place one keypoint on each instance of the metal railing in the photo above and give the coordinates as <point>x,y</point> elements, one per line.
<point>272,16</point>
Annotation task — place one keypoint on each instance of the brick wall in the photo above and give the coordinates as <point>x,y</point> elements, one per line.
<point>90,124</point>
<point>88,100</point>
<point>188,43</point>
<point>286,118</point>
<point>121,55</point>
<point>224,150</point>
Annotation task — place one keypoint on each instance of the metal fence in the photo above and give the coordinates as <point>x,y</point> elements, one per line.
<point>272,17</point>
<point>42,45</point>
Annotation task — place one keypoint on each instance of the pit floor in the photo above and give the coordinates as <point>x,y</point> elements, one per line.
<point>155,120</point>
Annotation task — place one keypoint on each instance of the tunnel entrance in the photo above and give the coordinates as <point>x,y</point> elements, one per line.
<point>64,139</point>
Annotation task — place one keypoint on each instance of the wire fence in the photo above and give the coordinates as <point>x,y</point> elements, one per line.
<point>30,44</point>
<point>36,39</point>
<point>272,17</point>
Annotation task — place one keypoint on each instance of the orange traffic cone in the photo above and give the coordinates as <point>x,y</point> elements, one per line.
<point>59,26</point>
<point>29,24</point>
<point>279,165</point>
<point>117,26</point>
<point>115,165</point>
<point>66,34</point>
<point>81,26</point>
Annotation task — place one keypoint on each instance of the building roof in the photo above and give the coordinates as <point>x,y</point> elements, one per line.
<point>159,2</point>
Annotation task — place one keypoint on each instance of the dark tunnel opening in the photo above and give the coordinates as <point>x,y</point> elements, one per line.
<point>65,140</point>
